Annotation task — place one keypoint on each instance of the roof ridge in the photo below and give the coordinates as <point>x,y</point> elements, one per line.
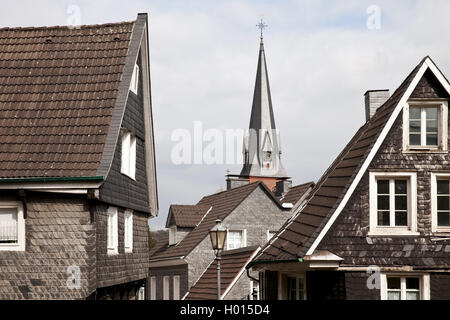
<point>233,189</point>
<point>58,27</point>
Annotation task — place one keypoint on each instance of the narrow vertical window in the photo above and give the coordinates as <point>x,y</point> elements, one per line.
<point>134,85</point>
<point>166,286</point>
<point>112,231</point>
<point>443,203</point>
<point>128,231</point>
<point>128,161</point>
<point>176,287</point>
<point>153,288</point>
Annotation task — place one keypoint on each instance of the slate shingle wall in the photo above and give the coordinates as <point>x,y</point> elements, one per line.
<point>58,235</point>
<point>122,267</point>
<point>119,189</point>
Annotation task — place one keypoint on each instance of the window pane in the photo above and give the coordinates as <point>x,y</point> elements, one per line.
<point>432,126</point>
<point>432,113</point>
<point>414,295</point>
<point>442,186</point>
<point>8,226</point>
<point>414,139</point>
<point>401,203</point>
<point>432,139</point>
<point>383,202</point>
<point>442,203</point>
<point>383,186</point>
<point>414,126</point>
<point>400,187</point>
<point>414,112</point>
<point>383,218</point>
<point>401,218</point>
<point>393,295</point>
<point>443,219</point>
<point>292,288</point>
<point>393,283</point>
<point>412,283</point>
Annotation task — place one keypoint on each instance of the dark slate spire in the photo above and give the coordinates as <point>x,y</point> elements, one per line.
<point>262,143</point>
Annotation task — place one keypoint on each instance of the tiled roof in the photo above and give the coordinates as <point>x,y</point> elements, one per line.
<point>58,88</point>
<point>295,238</point>
<point>231,265</point>
<point>187,216</point>
<point>295,193</point>
<point>222,203</point>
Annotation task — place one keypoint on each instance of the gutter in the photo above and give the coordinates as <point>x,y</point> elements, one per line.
<point>251,264</point>
<point>51,179</point>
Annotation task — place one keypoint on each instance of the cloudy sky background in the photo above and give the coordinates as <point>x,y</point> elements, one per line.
<point>321,59</point>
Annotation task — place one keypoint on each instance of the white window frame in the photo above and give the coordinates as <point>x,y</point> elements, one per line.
<point>140,294</point>
<point>20,245</point>
<point>152,288</point>
<point>134,84</point>
<point>176,287</point>
<point>112,239</point>
<point>269,236</point>
<point>434,219</point>
<point>411,229</point>
<point>172,235</point>
<point>166,288</point>
<point>254,285</point>
<point>128,160</point>
<point>243,238</point>
<point>424,284</point>
<point>442,127</point>
<point>128,231</point>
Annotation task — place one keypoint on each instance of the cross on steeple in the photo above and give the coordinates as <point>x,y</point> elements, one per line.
<point>261,25</point>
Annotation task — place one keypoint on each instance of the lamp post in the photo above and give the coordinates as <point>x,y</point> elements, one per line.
<point>218,236</point>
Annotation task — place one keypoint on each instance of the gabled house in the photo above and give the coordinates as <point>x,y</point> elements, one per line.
<point>77,163</point>
<point>376,225</point>
<point>255,205</point>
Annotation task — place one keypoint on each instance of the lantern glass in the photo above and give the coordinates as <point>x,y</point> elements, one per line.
<point>218,235</point>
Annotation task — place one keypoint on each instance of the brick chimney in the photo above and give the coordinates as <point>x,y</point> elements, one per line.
<point>373,100</point>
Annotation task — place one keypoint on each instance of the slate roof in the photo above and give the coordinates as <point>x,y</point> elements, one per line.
<point>295,193</point>
<point>295,238</point>
<point>231,266</point>
<point>58,88</point>
<point>186,216</point>
<point>222,203</point>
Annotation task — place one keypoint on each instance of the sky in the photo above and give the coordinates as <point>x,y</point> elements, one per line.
<point>321,57</point>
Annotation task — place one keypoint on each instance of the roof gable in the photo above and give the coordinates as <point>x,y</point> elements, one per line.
<point>58,95</point>
<point>301,235</point>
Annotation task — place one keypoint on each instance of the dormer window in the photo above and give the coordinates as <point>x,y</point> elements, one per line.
<point>134,85</point>
<point>425,126</point>
<point>172,235</point>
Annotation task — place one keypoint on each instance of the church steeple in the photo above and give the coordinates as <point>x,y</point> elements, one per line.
<point>262,151</point>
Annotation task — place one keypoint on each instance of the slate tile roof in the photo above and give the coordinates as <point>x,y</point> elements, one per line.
<point>187,216</point>
<point>295,193</point>
<point>222,203</point>
<point>58,87</point>
<point>231,264</point>
<point>295,238</point>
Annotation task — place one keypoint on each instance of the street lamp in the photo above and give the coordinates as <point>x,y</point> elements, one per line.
<point>218,236</point>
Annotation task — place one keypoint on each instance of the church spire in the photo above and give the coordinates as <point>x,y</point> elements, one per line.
<point>262,149</point>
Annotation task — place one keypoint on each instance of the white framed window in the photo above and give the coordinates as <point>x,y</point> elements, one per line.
<point>128,163</point>
<point>236,239</point>
<point>128,230</point>
<point>176,287</point>
<point>270,234</point>
<point>152,288</point>
<point>12,226</point>
<point>296,288</point>
<point>405,286</point>
<point>141,293</point>
<point>166,287</point>
<point>425,126</point>
<point>113,232</point>
<point>440,202</point>
<point>254,290</point>
<point>393,203</point>
<point>172,235</point>
<point>134,85</point>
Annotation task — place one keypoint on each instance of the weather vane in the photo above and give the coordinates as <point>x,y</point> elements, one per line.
<point>261,25</point>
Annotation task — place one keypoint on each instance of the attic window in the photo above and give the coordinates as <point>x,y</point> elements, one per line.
<point>134,85</point>
<point>425,126</point>
<point>128,166</point>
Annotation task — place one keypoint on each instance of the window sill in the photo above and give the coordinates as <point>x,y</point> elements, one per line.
<point>424,150</point>
<point>112,252</point>
<point>12,247</point>
<point>443,231</point>
<point>393,233</point>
